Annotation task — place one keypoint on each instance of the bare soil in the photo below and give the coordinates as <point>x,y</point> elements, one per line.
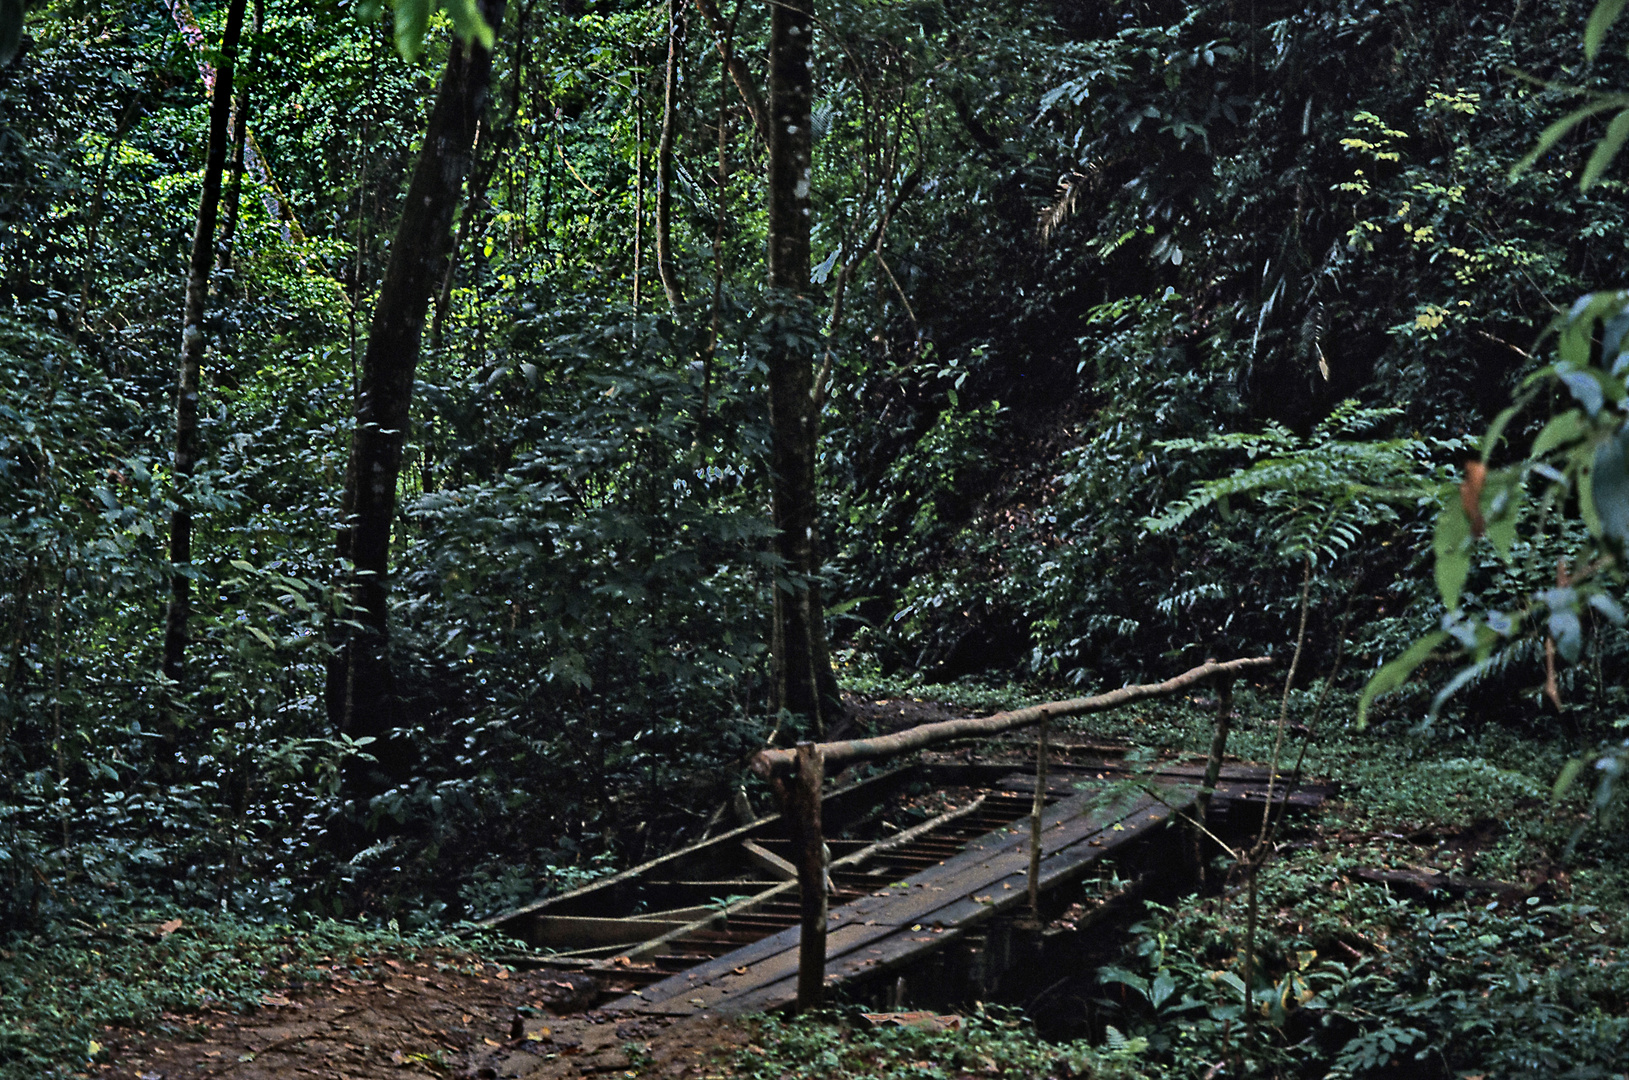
<point>450,1017</point>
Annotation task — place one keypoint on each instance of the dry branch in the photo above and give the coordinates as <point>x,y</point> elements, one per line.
<point>768,763</point>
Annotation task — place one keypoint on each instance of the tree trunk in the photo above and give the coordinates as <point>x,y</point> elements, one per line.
<point>804,682</point>
<point>240,145</point>
<point>664,167</point>
<point>192,349</point>
<point>740,74</point>
<point>492,141</point>
<point>360,686</point>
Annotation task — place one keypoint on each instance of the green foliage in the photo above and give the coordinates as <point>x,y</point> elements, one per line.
<point>1316,498</point>
<point>992,1042</point>
<point>61,988</point>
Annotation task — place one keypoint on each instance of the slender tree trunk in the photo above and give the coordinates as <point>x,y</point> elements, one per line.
<point>192,349</point>
<point>664,167</point>
<point>360,680</point>
<point>740,74</point>
<point>240,144</point>
<point>804,682</point>
<point>639,179</point>
<point>492,143</point>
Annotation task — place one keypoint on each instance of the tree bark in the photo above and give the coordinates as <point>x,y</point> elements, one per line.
<point>838,755</point>
<point>664,167</point>
<point>804,683</point>
<point>800,795</point>
<point>240,145</point>
<point>740,74</point>
<point>361,688</point>
<point>193,344</point>
<point>482,171</point>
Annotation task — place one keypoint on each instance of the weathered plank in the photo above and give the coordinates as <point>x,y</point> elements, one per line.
<point>946,894</point>
<point>907,941</point>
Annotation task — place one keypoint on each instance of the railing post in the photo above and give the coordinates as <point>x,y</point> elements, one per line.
<point>1035,825</point>
<point>1213,769</point>
<point>802,800</point>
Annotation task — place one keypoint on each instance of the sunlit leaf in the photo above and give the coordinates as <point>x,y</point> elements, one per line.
<point>1562,429</point>
<point>1569,775</point>
<point>1450,544</point>
<point>1606,151</point>
<point>412,22</point>
<point>1396,672</point>
<point>469,24</point>
<point>1600,21</point>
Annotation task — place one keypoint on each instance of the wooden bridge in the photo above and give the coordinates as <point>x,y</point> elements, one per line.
<point>902,901</point>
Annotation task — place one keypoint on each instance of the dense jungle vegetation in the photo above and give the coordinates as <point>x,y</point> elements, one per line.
<point>1122,335</point>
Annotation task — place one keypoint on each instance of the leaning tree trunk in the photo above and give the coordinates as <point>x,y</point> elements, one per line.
<point>192,350</point>
<point>664,167</point>
<point>361,690</point>
<point>804,683</point>
<point>240,145</point>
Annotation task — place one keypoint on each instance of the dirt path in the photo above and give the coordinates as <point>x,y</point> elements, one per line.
<point>429,1018</point>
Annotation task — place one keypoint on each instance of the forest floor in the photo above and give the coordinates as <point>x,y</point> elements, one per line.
<point>1360,886</point>
<point>452,1016</point>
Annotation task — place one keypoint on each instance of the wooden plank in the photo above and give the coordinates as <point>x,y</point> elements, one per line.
<point>575,932</point>
<point>769,862</point>
<point>725,841</point>
<point>788,888</point>
<point>942,894</point>
<point>875,953</point>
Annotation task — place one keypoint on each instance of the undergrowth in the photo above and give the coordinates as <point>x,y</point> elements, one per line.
<point>62,987</point>
<point>1520,975</point>
<point>993,1042</point>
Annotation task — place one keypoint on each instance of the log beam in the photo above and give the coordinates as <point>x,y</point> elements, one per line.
<point>836,755</point>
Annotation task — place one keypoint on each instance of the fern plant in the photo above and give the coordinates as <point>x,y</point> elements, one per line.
<point>1315,496</point>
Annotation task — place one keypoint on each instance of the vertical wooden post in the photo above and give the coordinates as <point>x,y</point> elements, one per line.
<point>808,847</point>
<point>1213,768</point>
<point>1035,825</point>
<point>1218,747</point>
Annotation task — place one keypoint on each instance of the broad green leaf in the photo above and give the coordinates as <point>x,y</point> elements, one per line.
<point>1497,430</point>
<point>1558,130</point>
<point>1164,986</point>
<point>1600,21</point>
<point>1561,430</point>
<point>1609,488</point>
<point>469,24</point>
<point>1396,672</point>
<point>412,22</point>
<point>1606,150</point>
<point>1586,490</point>
<point>1584,385</point>
<point>1569,774</point>
<point>1502,532</point>
<point>1450,544</point>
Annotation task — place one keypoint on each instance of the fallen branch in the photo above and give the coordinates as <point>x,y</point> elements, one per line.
<point>767,763</point>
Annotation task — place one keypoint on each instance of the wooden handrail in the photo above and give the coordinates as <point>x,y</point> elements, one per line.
<point>778,763</point>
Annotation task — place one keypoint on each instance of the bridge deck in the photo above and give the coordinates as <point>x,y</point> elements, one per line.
<point>928,909</point>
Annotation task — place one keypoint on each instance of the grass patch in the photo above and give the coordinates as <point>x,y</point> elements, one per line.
<point>64,986</point>
<point>990,1043</point>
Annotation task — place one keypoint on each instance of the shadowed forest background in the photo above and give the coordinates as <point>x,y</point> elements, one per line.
<point>1070,262</point>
